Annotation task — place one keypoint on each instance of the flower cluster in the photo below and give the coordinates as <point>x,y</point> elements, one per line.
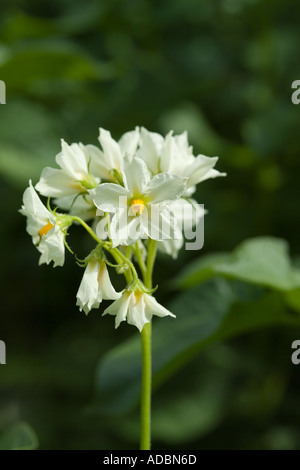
<point>132,196</point>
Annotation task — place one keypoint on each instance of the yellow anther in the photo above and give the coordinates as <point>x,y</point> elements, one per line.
<point>137,206</point>
<point>44,230</point>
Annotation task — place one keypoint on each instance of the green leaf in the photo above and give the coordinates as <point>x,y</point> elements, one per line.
<point>292,299</point>
<point>179,417</point>
<point>20,436</point>
<point>183,415</point>
<point>202,269</point>
<point>51,61</point>
<point>263,261</point>
<point>19,166</point>
<point>211,312</point>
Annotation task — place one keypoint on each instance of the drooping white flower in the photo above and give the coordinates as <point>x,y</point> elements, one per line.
<point>137,308</point>
<point>107,163</point>
<point>73,177</point>
<point>174,155</point>
<point>45,229</point>
<point>95,286</point>
<point>140,207</point>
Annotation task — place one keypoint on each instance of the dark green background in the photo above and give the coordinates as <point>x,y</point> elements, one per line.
<point>222,70</point>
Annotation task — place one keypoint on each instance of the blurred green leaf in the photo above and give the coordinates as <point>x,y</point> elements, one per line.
<point>180,417</point>
<point>213,311</point>
<point>264,261</point>
<point>184,414</point>
<point>53,60</point>
<point>199,130</point>
<point>292,298</point>
<point>20,166</point>
<point>20,436</point>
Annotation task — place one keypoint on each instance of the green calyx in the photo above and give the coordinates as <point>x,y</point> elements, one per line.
<point>137,285</point>
<point>116,176</point>
<point>63,220</point>
<point>86,185</point>
<point>95,255</point>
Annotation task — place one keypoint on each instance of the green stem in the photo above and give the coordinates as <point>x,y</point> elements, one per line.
<point>150,262</point>
<point>126,260</point>
<point>118,256</point>
<point>87,228</point>
<point>145,443</point>
<point>119,259</point>
<point>139,258</point>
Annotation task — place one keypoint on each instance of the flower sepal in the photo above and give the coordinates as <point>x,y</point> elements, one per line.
<point>138,285</point>
<point>96,254</point>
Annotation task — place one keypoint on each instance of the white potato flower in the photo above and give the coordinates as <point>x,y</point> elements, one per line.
<point>137,308</point>
<point>107,163</point>
<point>140,207</point>
<point>46,229</point>
<point>173,155</point>
<point>72,178</point>
<point>95,286</point>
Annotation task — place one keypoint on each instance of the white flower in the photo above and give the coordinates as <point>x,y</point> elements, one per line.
<point>47,234</point>
<point>187,214</point>
<point>137,308</point>
<point>107,163</point>
<point>74,175</point>
<point>95,286</point>
<point>173,154</point>
<point>140,207</point>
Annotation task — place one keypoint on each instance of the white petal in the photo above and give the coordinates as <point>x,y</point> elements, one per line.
<point>200,170</point>
<point>129,142</point>
<point>165,187</point>
<point>52,247</point>
<point>162,224</point>
<point>36,213</point>
<point>154,308</point>
<point>137,314</point>
<point>151,145</point>
<point>56,183</point>
<point>80,206</point>
<point>189,191</point>
<point>136,175</point>
<point>102,227</point>
<point>101,165</point>
<point>213,174</point>
<point>119,307</point>
<point>107,289</point>
<point>33,205</point>
<point>171,159</point>
<point>182,142</point>
<point>111,149</point>
<point>125,229</point>
<point>187,212</point>
<point>87,295</point>
<point>73,160</point>
<point>109,196</point>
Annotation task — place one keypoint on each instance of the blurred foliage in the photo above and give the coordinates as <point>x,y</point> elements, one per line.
<point>223,71</point>
<point>19,437</point>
